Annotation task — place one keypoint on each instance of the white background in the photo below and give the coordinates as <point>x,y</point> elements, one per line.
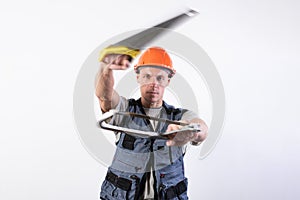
<point>255,46</point>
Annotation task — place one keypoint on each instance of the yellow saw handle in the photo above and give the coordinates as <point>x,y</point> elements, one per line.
<point>122,50</point>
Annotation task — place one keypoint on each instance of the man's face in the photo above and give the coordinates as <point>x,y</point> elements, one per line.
<point>152,84</point>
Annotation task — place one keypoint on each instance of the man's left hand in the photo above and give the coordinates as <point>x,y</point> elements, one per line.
<point>182,138</point>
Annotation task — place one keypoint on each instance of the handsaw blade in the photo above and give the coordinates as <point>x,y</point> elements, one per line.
<point>132,45</point>
<point>141,39</point>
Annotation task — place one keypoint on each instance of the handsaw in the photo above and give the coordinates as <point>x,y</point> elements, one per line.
<point>132,45</point>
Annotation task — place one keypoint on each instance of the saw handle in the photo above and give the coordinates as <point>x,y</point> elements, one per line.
<point>121,50</point>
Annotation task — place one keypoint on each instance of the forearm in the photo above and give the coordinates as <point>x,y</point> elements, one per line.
<point>108,97</point>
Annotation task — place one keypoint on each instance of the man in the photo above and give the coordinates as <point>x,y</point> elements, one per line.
<point>146,168</point>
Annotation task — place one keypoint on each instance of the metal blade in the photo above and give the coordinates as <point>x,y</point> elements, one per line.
<point>140,133</point>
<point>141,39</point>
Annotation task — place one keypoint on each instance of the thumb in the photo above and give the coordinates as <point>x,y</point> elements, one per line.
<point>170,143</point>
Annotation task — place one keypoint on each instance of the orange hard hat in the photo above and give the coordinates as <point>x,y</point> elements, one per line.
<point>156,57</point>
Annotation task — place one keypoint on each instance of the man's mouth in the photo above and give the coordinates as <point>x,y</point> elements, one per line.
<point>152,92</point>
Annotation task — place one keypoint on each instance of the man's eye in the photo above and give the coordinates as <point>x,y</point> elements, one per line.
<point>160,78</point>
<point>148,76</point>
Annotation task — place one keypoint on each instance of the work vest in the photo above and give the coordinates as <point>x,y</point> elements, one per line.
<point>135,157</point>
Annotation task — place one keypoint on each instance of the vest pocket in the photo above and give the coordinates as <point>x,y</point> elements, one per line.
<point>115,187</point>
<point>129,161</point>
<point>121,187</point>
<point>174,192</point>
<point>111,192</point>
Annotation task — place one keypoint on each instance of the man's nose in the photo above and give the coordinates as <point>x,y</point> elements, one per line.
<point>153,83</point>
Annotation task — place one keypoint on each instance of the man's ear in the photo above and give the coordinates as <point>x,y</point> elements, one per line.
<point>168,81</point>
<point>138,78</point>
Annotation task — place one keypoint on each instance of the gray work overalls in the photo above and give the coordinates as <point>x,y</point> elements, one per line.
<point>135,157</point>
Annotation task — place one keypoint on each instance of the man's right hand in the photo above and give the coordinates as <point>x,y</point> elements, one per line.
<point>117,61</point>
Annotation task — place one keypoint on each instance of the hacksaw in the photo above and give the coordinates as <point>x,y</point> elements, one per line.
<point>194,127</point>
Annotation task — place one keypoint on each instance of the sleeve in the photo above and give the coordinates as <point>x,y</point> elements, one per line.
<point>117,119</point>
<point>189,115</point>
<point>122,106</point>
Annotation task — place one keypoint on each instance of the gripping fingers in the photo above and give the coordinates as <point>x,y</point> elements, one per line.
<point>117,61</point>
<point>181,138</point>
